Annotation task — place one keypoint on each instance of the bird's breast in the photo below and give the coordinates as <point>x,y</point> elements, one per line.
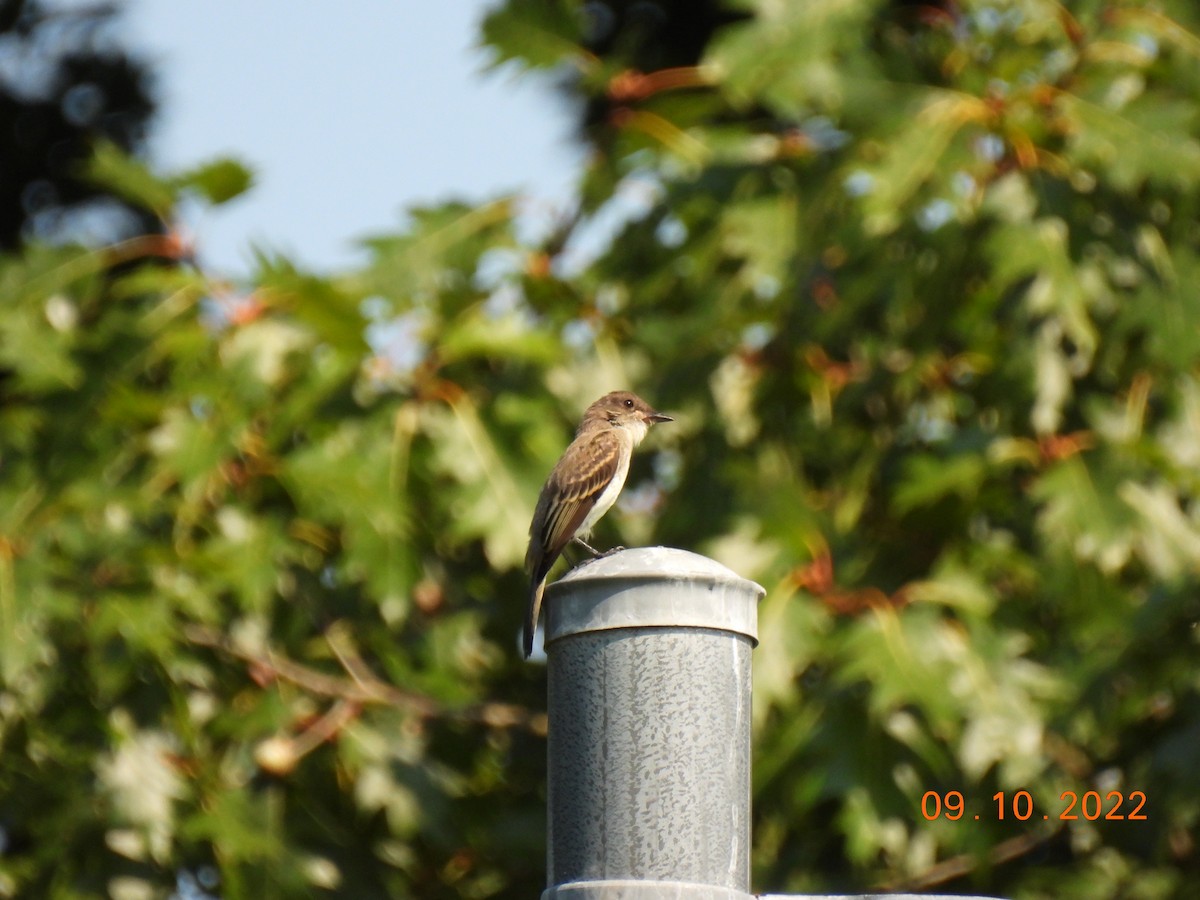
<point>607,497</point>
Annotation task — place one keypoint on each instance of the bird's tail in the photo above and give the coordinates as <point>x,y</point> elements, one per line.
<point>536,588</point>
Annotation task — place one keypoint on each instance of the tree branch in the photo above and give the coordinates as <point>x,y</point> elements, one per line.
<point>363,687</point>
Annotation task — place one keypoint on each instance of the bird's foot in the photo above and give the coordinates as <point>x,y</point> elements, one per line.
<point>596,554</point>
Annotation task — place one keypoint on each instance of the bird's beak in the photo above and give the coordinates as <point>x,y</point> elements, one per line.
<point>658,417</point>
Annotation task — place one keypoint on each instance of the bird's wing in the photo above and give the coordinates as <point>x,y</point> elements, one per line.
<point>580,477</point>
<point>570,493</point>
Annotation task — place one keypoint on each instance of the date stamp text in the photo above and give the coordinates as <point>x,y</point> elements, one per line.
<point>1112,806</point>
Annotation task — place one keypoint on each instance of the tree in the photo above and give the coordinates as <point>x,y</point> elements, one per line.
<point>916,287</point>
<point>66,85</point>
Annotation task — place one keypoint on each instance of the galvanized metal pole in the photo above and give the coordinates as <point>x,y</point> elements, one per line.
<point>649,732</point>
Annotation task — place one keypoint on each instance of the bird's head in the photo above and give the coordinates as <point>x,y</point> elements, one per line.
<point>625,409</point>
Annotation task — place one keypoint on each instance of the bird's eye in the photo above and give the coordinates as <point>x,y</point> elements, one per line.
<point>628,404</point>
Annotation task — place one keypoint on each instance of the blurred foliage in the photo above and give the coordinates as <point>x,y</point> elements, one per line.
<point>66,83</point>
<point>917,282</point>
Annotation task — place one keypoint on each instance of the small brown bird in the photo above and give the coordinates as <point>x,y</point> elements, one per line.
<point>583,487</point>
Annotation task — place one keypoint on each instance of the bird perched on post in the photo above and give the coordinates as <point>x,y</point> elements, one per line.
<point>583,486</point>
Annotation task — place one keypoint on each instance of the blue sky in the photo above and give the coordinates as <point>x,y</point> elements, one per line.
<point>348,113</point>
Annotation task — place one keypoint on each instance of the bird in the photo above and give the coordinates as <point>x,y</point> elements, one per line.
<point>583,486</point>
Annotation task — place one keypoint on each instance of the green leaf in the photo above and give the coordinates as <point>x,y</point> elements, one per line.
<point>438,256</point>
<point>1083,514</point>
<point>927,479</point>
<point>914,155</point>
<point>39,355</point>
<point>763,232</point>
<point>1145,141</point>
<point>537,34</point>
<point>344,483</point>
<point>329,309</point>
<point>491,506</point>
<point>112,168</point>
<point>1170,538</point>
<point>218,181</point>
<point>789,56</point>
<point>481,334</point>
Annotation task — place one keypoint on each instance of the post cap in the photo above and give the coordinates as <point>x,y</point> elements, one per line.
<point>652,587</point>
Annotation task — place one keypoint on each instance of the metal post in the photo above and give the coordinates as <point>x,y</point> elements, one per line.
<point>649,732</point>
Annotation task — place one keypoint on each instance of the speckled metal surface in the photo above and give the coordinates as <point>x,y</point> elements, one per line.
<point>642,890</point>
<point>649,740</point>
